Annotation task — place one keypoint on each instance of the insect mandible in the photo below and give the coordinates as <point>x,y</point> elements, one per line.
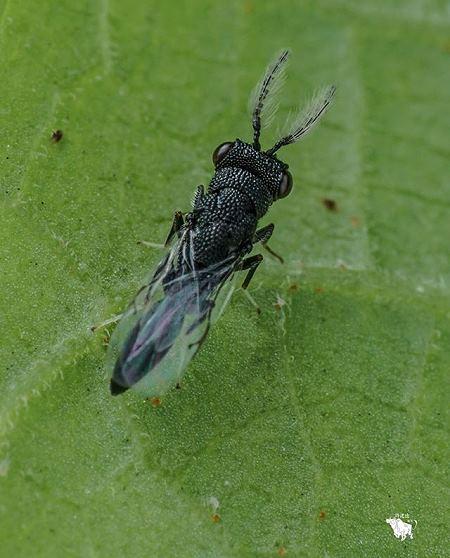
<point>170,317</point>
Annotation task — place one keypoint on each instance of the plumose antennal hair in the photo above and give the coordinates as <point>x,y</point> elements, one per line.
<point>263,101</point>
<point>307,118</point>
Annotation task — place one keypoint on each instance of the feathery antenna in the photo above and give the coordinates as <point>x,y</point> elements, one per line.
<point>263,100</point>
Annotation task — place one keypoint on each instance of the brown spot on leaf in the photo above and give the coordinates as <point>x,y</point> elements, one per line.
<point>330,204</point>
<point>445,47</point>
<point>57,136</point>
<point>154,401</point>
<point>282,551</point>
<point>248,7</point>
<point>215,517</point>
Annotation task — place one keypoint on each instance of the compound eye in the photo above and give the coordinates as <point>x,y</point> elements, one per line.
<point>221,151</point>
<point>285,185</point>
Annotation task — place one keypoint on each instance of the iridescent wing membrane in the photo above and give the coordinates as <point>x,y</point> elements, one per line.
<point>168,321</point>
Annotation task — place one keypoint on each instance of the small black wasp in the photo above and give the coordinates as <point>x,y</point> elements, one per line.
<point>170,317</point>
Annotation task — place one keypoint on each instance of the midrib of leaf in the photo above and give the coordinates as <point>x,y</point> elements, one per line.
<point>38,378</point>
<point>104,35</point>
<point>402,12</point>
<point>316,466</point>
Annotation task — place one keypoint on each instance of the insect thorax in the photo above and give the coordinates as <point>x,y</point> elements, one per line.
<point>239,194</point>
<point>251,172</point>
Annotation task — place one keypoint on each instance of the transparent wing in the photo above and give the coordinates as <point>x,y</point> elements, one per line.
<point>167,322</point>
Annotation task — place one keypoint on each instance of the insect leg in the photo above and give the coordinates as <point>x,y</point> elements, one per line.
<point>107,322</point>
<point>263,236</point>
<point>206,314</point>
<point>149,244</point>
<point>198,197</point>
<point>177,223</point>
<point>251,263</point>
<point>252,301</point>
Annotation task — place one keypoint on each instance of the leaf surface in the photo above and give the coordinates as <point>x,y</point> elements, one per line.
<point>300,430</point>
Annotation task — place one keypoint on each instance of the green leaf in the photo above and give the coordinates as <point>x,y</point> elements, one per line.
<point>300,430</point>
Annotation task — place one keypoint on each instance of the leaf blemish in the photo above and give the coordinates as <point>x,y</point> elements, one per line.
<point>293,288</point>
<point>57,136</point>
<point>154,401</point>
<point>330,204</point>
